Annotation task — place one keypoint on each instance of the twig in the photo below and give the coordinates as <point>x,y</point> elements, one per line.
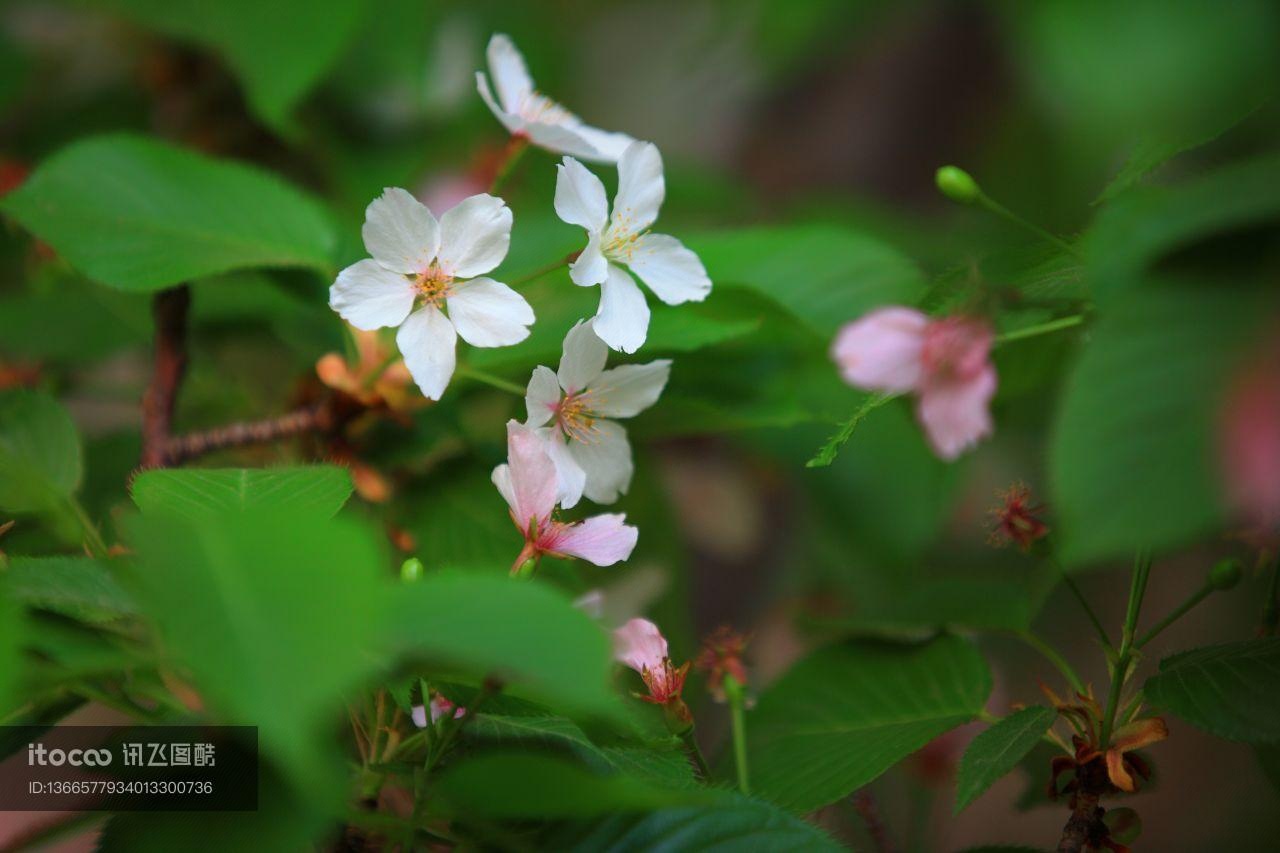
<point>326,416</point>
<point>1085,826</point>
<point>864,802</point>
<point>169,307</point>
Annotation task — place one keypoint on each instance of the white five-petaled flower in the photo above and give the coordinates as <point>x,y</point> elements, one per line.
<point>417,259</point>
<point>570,408</point>
<point>526,112</point>
<point>671,271</point>
<point>528,483</point>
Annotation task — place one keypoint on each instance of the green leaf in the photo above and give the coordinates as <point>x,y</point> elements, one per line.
<point>998,750</point>
<point>40,456</point>
<point>1231,690</point>
<point>849,712</point>
<point>1139,228</point>
<point>10,654</point>
<point>138,214</point>
<point>665,767</point>
<point>1133,455</point>
<point>730,822</point>
<point>531,786</point>
<point>275,613</point>
<point>79,587</point>
<point>531,637</point>
<point>279,49</point>
<point>923,607</point>
<point>203,492</point>
<point>821,274</point>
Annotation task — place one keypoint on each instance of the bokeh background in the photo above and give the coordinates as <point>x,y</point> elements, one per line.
<point>822,113</point>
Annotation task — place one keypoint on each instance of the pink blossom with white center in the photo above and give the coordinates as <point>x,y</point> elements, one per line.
<point>527,113</point>
<point>640,645</point>
<point>1249,440</point>
<point>672,271</point>
<point>419,260</point>
<point>529,484</point>
<point>571,409</point>
<point>945,363</point>
<point>440,707</point>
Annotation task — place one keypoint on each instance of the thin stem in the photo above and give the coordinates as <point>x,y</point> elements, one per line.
<point>452,725</point>
<point>1121,665</point>
<point>733,691</point>
<point>376,373</point>
<point>1041,329</point>
<point>511,156</point>
<point>694,754</point>
<point>864,803</point>
<point>1084,603</point>
<point>1051,654</point>
<point>544,270</point>
<point>488,379</point>
<point>1000,210</point>
<point>93,538</point>
<point>1195,598</point>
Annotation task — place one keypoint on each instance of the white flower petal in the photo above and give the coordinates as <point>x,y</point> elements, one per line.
<point>622,320</point>
<point>487,313</point>
<point>583,357</point>
<point>512,122</point>
<point>580,198</point>
<point>591,267</point>
<point>640,188</point>
<point>427,342</point>
<point>474,236</point>
<point>609,145</point>
<point>605,457</point>
<point>671,270</point>
<point>400,232</point>
<point>541,397</point>
<point>629,389</point>
<point>560,138</point>
<point>510,74</point>
<point>369,296</point>
<point>570,478</point>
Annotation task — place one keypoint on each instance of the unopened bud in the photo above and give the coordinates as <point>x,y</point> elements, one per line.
<point>1225,574</point>
<point>411,570</point>
<point>957,184</point>
<point>526,569</point>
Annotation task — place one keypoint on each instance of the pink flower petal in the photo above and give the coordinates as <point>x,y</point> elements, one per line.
<point>531,475</point>
<point>640,645</point>
<point>954,413</point>
<point>881,351</point>
<point>1249,442</point>
<point>601,539</point>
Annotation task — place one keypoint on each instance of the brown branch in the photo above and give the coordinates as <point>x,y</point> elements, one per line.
<point>1085,826</point>
<point>169,308</point>
<point>864,802</point>
<point>319,417</point>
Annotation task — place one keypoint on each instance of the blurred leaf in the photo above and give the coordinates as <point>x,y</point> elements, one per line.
<point>92,322</point>
<point>204,492</point>
<point>998,750</point>
<point>527,635</point>
<point>138,214</point>
<point>1268,756</point>
<point>279,49</point>
<point>729,822</point>
<point>517,785</point>
<point>847,713</point>
<point>461,522</point>
<point>40,456</point>
<point>822,274</point>
<point>923,607</point>
<point>1132,459</point>
<point>10,655</point>
<point>79,587</point>
<point>275,612</point>
<point>665,767</point>
<point>1231,691</point>
<point>1137,229</point>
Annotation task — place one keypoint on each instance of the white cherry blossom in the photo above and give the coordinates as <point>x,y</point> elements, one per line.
<point>526,112</point>
<point>418,260</point>
<point>571,410</point>
<point>673,272</point>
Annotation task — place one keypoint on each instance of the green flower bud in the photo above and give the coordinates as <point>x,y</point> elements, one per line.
<point>411,570</point>
<point>1225,574</point>
<point>957,184</point>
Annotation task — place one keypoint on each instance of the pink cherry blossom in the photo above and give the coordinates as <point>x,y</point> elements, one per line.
<point>529,484</point>
<point>1249,440</point>
<point>640,645</point>
<point>944,362</point>
<point>440,707</point>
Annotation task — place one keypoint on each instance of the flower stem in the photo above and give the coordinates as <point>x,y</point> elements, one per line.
<point>381,368</point>
<point>1000,210</point>
<point>511,156</point>
<point>1051,654</point>
<point>488,379</point>
<point>93,538</point>
<point>694,754</point>
<point>544,270</point>
<point>1195,598</point>
<point>1084,603</point>
<point>1120,666</point>
<point>1041,329</point>
<point>733,691</point>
